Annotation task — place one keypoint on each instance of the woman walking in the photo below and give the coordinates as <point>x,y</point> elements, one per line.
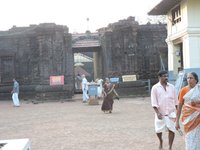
<point>109,93</point>
<point>189,105</point>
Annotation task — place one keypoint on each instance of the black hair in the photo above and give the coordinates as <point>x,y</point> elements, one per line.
<point>162,72</point>
<point>195,76</point>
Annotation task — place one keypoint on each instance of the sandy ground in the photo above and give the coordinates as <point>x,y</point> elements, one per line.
<point>75,125</point>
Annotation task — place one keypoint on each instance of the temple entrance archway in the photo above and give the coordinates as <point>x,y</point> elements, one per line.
<point>87,52</point>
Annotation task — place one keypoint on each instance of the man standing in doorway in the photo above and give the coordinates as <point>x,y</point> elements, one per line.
<point>164,102</point>
<point>15,93</point>
<point>85,89</point>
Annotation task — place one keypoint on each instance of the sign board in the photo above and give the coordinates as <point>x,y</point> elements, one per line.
<point>114,80</point>
<point>128,78</point>
<point>56,80</point>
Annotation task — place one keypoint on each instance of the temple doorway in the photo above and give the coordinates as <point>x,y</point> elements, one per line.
<point>87,58</point>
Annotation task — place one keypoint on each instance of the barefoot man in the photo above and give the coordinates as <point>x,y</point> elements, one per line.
<point>164,102</point>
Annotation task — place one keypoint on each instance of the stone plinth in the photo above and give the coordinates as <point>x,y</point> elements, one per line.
<point>15,144</point>
<point>93,101</point>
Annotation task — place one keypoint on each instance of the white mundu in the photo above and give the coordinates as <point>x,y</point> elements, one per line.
<point>85,88</point>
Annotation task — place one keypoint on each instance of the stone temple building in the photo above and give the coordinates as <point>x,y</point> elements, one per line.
<point>33,54</point>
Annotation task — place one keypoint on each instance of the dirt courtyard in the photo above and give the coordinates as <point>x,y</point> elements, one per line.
<point>74,125</point>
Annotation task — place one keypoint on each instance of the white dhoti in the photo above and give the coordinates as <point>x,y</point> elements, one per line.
<point>15,99</point>
<point>166,123</point>
<point>99,91</point>
<point>85,95</point>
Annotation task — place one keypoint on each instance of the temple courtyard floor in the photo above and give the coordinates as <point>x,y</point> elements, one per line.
<point>73,125</point>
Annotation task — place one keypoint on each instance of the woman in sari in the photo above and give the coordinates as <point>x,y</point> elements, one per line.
<point>189,105</point>
<point>109,93</point>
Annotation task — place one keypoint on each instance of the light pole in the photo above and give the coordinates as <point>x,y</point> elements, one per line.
<point>87,23</point>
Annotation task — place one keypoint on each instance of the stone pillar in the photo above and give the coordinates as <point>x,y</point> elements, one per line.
<point>95,58</point>
<point>170,60</point>
<point>97,65</point>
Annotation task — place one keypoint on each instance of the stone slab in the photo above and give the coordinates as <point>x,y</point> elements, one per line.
<point>15,144</point>
<point>93,101</point>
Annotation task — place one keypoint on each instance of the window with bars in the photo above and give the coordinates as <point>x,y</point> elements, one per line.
<point>176,15</point>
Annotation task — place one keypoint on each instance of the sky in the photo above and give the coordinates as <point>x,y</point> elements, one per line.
<point>72,13</point>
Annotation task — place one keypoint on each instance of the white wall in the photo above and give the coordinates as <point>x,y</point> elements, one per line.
<point>193,13</point>
<point>192,56</point>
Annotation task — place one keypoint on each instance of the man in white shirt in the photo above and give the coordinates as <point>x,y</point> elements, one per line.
<point>15,93</point>
<point>164,102</point>
<point>85,89</point>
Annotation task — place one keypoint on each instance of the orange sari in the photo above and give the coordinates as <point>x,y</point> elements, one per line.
<point>191,116</point>
<point>190,108</point>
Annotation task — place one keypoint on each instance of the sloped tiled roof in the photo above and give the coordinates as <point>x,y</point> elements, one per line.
<point>79,57</point>
<point>86,43</point>
<point>85,40</point>
<point>81,71</point>
<point>164,7</point>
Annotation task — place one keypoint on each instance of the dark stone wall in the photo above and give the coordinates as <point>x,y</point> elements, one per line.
<point>152,47</point>
<point>129,48</point>
<point>33,54</point>
<point>132,49</point>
